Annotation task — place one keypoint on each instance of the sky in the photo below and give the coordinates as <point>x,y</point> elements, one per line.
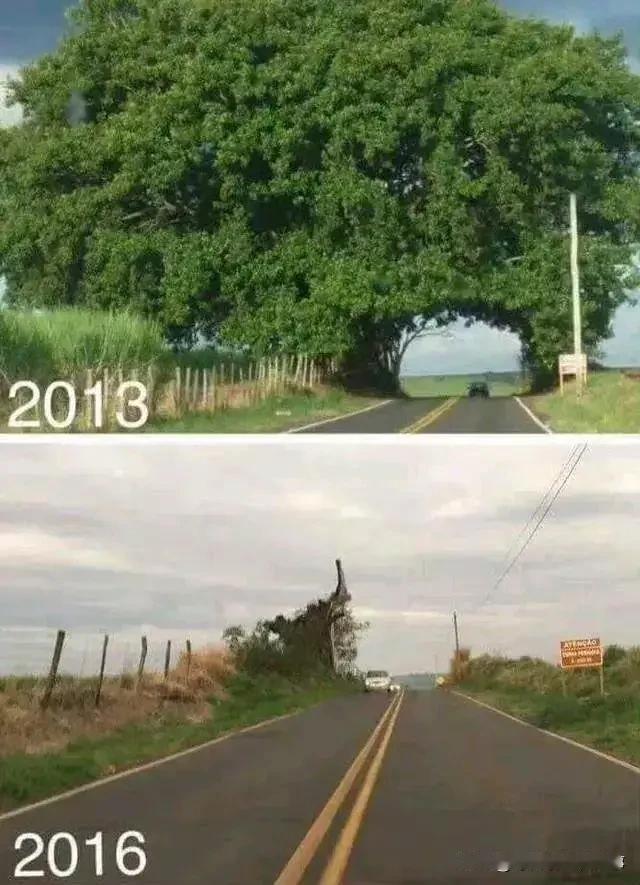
<point>134,538</point>
<point>32,27</point>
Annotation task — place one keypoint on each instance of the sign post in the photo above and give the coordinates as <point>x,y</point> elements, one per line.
<point>572,364</point>
<point>577,654</point>
<point>575,290</point>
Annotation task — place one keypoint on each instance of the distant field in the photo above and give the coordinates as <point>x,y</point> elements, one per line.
<point>417,681</point>
<point>500,384</point>
<point>610,404</point>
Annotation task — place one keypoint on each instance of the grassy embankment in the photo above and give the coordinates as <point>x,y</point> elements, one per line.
<point>67,344</point>
<point>532,690</point>
<point>500,384</point>
<point>43,753</point>
<point>609,404</point>
<point>275,414</point>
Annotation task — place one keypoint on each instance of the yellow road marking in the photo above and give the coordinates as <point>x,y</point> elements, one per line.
<point>334,871</point>
<point>430,417</point>
<point>304,853</point>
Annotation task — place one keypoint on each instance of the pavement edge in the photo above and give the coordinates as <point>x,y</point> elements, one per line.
<point>559,737</point>
<point>533,416</point>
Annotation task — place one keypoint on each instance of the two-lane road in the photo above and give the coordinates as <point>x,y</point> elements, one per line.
<point>447,791</point>
<point>437,415</point>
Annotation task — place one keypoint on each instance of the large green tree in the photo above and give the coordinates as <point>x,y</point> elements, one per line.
<point>324,176</point>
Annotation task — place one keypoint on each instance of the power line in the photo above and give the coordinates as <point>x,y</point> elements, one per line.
<point>541,503</point>
<point>569,465</point>
<point>505,572</point>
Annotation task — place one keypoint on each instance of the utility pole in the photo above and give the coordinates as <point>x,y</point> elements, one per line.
<point>456,664</point>
<point>455,628</point>
<point>575,290</point>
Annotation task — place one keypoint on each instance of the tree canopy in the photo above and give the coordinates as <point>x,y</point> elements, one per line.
<point>322,175</point>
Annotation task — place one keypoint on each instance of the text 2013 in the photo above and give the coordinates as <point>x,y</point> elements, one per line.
<point>60,405</point>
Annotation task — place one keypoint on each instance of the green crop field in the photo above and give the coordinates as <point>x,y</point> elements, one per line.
<point>500,384</point>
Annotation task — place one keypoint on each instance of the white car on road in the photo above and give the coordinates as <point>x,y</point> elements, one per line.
<point>377,680</point>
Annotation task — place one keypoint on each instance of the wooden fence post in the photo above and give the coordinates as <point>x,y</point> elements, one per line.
<point>178,390</point>
<point>88,416</point>
<point>167,660</point>
<point>105,643</point>
<point>187,387</point>
<point>53,672</point>
<point>221,384</point>
<point>188,660</point>
<point>214,389</point>
<point>105,395</point>
<point>143,658</point>
<point>204,389</point>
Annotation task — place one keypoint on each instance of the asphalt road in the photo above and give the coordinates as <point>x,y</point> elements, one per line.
<point>459,790</point>
<point>437,415</point>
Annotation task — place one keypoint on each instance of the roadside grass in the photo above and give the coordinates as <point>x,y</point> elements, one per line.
<point>610,404</point>
<point>531,690</point>
<point>500,384</point>
<point>67,344</point>
<point>26,778</point>
<point>277,413</point>
<point>60,344</point>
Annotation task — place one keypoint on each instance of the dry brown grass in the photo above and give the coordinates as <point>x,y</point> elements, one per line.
<point>459,665</point>
<point>26,728</point>
<point>211,668</point>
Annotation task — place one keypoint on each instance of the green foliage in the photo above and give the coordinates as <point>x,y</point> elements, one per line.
<point>534,687</point>
<point>319,640</point>
<point>234,636</point>
<point>311,176</point>
<point>613,654</point>
<point>59,344</point>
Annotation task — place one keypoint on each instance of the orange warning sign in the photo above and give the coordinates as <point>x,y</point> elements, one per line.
<point>580,653</point>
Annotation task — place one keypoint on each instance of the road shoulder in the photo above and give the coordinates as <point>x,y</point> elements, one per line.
<point>554,734</point>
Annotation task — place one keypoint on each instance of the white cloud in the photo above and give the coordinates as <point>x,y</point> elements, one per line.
<point>198,537</point>
<point>390,616</point>
<point>34,546</point>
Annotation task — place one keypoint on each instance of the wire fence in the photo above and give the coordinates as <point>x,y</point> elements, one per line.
<point>43,658</point>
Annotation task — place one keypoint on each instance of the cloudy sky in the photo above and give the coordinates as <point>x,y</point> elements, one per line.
<point>179,542</point>
<point>32,27</point>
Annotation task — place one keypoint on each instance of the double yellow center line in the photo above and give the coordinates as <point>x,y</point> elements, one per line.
<point>295,869</point>
<point>430,417</point>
